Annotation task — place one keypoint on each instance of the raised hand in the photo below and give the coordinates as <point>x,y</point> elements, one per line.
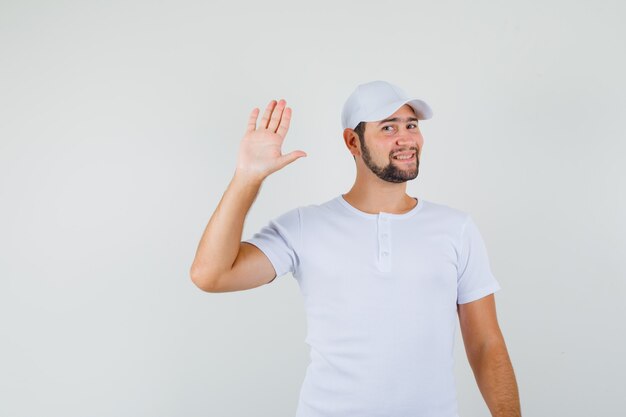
<point>260,150</point>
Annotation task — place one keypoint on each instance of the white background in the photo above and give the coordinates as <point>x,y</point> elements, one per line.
<point>120,123</point>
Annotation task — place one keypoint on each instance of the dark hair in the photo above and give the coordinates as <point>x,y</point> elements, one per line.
<point>360,131</point>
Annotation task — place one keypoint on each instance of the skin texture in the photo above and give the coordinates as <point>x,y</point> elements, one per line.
<point>222,262</point>
<point>393,171</point>
<point>488,356</point>
<point>260,152</point>
<point>380,183</point>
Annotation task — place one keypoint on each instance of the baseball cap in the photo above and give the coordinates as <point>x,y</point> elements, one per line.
<point>376,100</point>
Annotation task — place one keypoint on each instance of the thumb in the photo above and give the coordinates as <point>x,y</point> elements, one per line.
<point>286,159</point>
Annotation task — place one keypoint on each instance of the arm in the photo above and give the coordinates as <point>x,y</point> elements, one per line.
<point>219,250</point>
<point>488,357</point>
<point>219,245</point>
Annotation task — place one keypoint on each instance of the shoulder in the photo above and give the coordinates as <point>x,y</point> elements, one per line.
<point>289,219</point>
<point>295,215</point>
<point>325,208</point>
<point>445,214</point>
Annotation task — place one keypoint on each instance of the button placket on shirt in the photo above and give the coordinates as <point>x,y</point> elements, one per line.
<point>384,242</point>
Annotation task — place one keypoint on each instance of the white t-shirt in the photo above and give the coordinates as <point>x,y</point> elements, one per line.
<point>380,295</point>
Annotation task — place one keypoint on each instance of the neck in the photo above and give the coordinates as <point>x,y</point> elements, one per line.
<point>374,195</point>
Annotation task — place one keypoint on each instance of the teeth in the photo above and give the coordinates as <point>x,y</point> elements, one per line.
<point>404,157</point>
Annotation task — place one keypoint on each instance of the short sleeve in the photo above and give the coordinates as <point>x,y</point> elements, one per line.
<point>279,241</point>
<point>474,279</point>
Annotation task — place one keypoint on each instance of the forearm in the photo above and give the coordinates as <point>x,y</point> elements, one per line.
<point>219,245</point>
<point>496,380</point>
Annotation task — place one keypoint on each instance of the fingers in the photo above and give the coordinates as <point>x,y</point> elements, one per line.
<point>275,118</point>
<point>266,116</point>
<point>252,120</point>
<point>276,115</point>
<point>284,122</point>
<point>286,159</point>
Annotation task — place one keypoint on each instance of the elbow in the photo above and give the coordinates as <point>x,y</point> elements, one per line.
<point>202,281</point>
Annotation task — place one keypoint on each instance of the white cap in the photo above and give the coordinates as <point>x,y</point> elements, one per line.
<point>376,100</point>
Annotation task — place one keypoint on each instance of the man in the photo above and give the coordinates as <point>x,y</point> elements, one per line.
<point>383,274</point>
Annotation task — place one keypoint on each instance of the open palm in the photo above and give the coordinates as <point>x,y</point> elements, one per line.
<point>260,150</point>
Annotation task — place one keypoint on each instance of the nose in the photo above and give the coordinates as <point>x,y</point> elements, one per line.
<point>405,139</point>
<point>408,137</point>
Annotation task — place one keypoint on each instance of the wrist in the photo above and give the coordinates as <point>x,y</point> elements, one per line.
<point>248,178</point>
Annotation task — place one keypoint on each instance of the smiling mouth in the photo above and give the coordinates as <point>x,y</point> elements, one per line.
<point>405,159</point>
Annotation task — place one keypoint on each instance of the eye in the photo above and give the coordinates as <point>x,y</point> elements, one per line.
<point>385,128</point>
<point>413,124</point>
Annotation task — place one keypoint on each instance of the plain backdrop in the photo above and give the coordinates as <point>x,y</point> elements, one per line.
<point>120,123</point>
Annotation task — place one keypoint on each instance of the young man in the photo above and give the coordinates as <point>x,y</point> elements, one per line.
<point>383,274</point>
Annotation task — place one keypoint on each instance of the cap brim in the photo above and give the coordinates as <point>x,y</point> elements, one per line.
<point>422,110</point>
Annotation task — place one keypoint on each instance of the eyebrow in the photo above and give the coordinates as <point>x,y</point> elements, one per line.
<point>397,119</point>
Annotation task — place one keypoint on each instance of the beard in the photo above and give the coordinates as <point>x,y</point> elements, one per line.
<point>392,172</point>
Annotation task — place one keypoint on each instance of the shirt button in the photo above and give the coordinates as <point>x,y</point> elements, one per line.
<point>384,234</point>
<point>385,253</point>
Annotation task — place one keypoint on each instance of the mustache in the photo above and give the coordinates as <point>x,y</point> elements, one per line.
<point>404,150</point>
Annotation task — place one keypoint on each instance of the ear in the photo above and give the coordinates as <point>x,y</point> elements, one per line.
<point>351,139</point>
